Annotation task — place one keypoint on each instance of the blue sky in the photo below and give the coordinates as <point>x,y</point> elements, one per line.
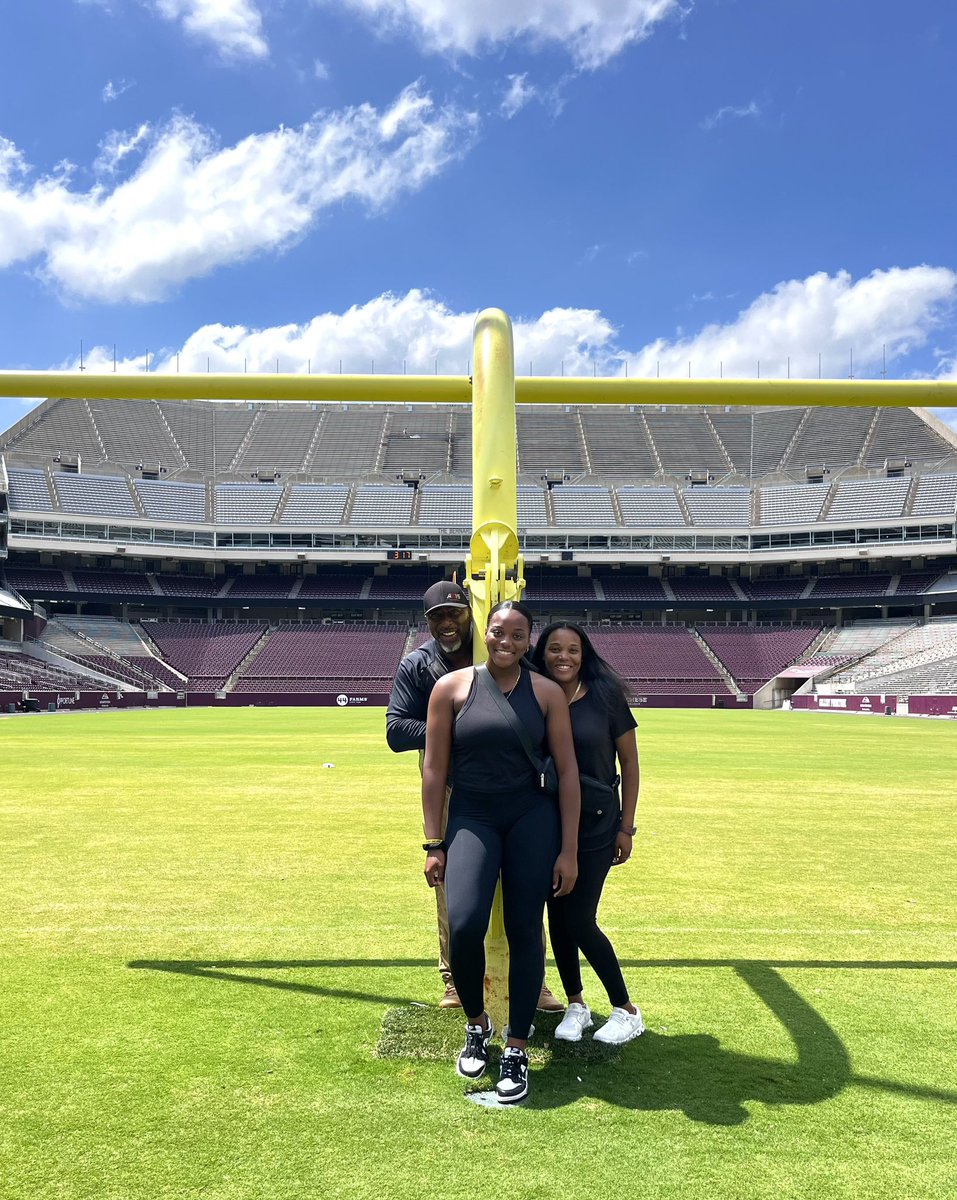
<point>641,184</point>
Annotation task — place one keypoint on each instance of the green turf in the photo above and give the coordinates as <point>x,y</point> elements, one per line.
<point>212,951</point>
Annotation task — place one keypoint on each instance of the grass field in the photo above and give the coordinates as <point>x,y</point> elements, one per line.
<point>203,932</point>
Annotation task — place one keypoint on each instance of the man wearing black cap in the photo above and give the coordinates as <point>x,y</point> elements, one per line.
<point>449,616</point>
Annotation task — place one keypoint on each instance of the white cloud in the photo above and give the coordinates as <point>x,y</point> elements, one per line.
<point>893,312</point>
<point>592,31</point>
<point>729,110</point>
<point>898,309</point>
<point>319,69</point>
<point>116,146</point>
<point>519,93</point>
<point>192,206</point>
<point>113,91</point>
<point>232,27</point>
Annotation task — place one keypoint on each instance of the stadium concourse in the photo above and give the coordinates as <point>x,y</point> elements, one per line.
<point>163,553</point>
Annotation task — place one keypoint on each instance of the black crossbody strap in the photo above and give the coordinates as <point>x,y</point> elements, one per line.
<point>516,724</point>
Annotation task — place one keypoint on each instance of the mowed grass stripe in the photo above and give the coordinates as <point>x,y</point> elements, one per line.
<point>203,930</point>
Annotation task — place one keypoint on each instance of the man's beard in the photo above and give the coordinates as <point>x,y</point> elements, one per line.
<point>453,647</point>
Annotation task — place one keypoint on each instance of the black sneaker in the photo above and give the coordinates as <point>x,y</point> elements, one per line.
<point>512,1083</point>
<point>474,1057</point>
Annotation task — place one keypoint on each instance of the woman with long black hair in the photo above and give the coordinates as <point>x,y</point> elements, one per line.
<point>488,730</point>
<point>604,735</point>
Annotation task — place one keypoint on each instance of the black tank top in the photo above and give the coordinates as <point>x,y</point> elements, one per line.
<point>487,757</point>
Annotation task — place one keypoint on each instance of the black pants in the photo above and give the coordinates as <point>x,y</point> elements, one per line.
<point>573,926</point>
<point>523,849</point>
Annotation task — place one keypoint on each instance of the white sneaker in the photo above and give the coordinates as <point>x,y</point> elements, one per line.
<point>576,1020</point>
<point>620,1027</point>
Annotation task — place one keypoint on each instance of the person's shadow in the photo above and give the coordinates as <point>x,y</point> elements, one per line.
<point>694,1074</point>
<point>690,1073</point>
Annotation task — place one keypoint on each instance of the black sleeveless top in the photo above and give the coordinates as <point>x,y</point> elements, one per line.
<point>487,757</point>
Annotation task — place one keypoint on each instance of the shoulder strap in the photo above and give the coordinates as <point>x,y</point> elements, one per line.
<point>516,724</point>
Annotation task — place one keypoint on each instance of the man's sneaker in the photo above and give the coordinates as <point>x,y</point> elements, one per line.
<point>620,1027</point>
<point>451,997</point>
<point>549,1003</point>
<point>576,1020</point>
<point>474,1057</point>
<point>512,1083</point>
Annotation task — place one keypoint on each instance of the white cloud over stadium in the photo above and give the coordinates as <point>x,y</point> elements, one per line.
<point>191,205</point>
<point>882,317</point>
<point>592,31</point>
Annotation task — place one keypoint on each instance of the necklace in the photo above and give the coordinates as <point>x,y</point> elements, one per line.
<point>513,687</point>
<point>577,690</point>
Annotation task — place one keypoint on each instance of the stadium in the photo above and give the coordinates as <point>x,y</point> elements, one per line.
<point>163,553</point>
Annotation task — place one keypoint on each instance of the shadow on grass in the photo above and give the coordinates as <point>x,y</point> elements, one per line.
<point>690,1073</point>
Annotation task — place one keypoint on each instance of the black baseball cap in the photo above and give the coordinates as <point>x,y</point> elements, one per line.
<point>444,594</point>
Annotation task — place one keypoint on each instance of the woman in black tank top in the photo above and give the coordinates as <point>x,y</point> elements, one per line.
<point>500,821</point>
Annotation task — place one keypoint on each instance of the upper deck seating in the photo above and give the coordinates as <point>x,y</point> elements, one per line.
<point>349,441</point>
<point>28,490</point>
<point>830,436</point>
<point>800,504</point>
<point>278,440</point>
<point>900,433</point>
<point>936,495</point>
<point>868,499</point>
<point>417,441</point>
<point>95,495</point>
<point>168,500</point>
<point>245,503</point>
<point>650,508</point>
<point>377,505</point>
<point>445,506</point>
<point>131,433</point>
<point>686,441</point>
<point>722,506</point>
<point>582,507</point>
<point>315,504</point>
<point>549,439</point>
<point>617,442</point>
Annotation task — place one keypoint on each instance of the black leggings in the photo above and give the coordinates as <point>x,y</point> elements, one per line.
<point>523,849</point>
<point>573,926</point>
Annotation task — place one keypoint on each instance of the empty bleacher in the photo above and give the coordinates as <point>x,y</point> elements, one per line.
<point>667,660</point>
<point>754,656</point>
<point>650,507</point>
<point>169,500</point>
<point>28,490</point>
<point>94,495</point>
<point>722,506</point>
<point>245,503</point>
<point>868,500</point>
